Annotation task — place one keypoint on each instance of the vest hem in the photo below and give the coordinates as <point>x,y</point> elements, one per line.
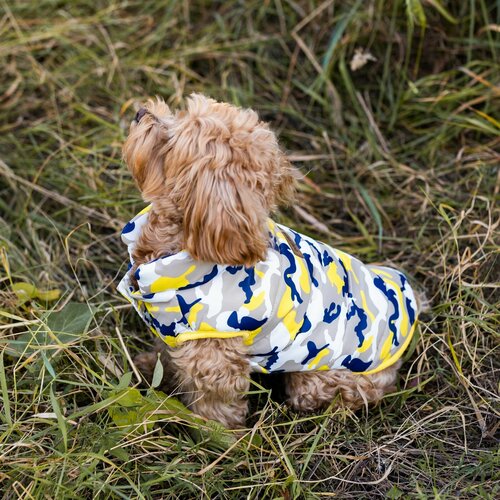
<point>198,335</point>
<point>395,357</point>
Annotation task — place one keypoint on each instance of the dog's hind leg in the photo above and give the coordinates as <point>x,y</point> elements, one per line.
<point>308,391</point>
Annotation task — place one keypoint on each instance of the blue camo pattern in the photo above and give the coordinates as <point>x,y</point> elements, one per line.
<point>306,307</point>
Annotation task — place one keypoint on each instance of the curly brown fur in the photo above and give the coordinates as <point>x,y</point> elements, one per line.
<point>308,391</point>
<point>211,376</point>
<point>213,173</point>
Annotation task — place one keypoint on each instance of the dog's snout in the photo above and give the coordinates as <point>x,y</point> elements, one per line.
<point>140,114</point>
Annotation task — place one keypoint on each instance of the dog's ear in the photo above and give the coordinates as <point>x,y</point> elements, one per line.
<point>145,159</point>
<point>230,173</point>
<point>224,219</point>
<point>145,149</point>
<point>284,177</point>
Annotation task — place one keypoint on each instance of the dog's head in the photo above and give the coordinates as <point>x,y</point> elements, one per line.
<point>221,167</point>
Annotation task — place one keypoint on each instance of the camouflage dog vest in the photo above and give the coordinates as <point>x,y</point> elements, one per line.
<point>306,307</point>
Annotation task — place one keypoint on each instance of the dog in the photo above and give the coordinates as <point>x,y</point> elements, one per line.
<point>230,292</point>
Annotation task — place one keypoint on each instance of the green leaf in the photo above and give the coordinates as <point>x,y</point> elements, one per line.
<point>442,10</point>
<point>60,418</point>
<point>122,416</point>
<point>168,403</point>
<point>125,380</point>
<point>373,210</point>
<point>71,322</point>
<point>27,291</point>
<point>218,434</point>
<point>19,346</point>
<point>66,326</point>
<point>337,33</point>
<point>253,440</point>
<point>111,443</point>
<point>24,291</point>
<point>138,413</point>
<point>415,13</point>
<point>48,295</point>
<point>157,374</point>
<point>48,364</point>
<point>129,397</point>
<point>394,492</point>
<point>120,454</point>
<point>5,392</point>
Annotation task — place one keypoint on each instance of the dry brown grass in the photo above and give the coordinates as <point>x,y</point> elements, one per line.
<point>401,158</point>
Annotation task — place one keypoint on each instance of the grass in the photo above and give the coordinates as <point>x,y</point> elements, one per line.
<point>402,165</point>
